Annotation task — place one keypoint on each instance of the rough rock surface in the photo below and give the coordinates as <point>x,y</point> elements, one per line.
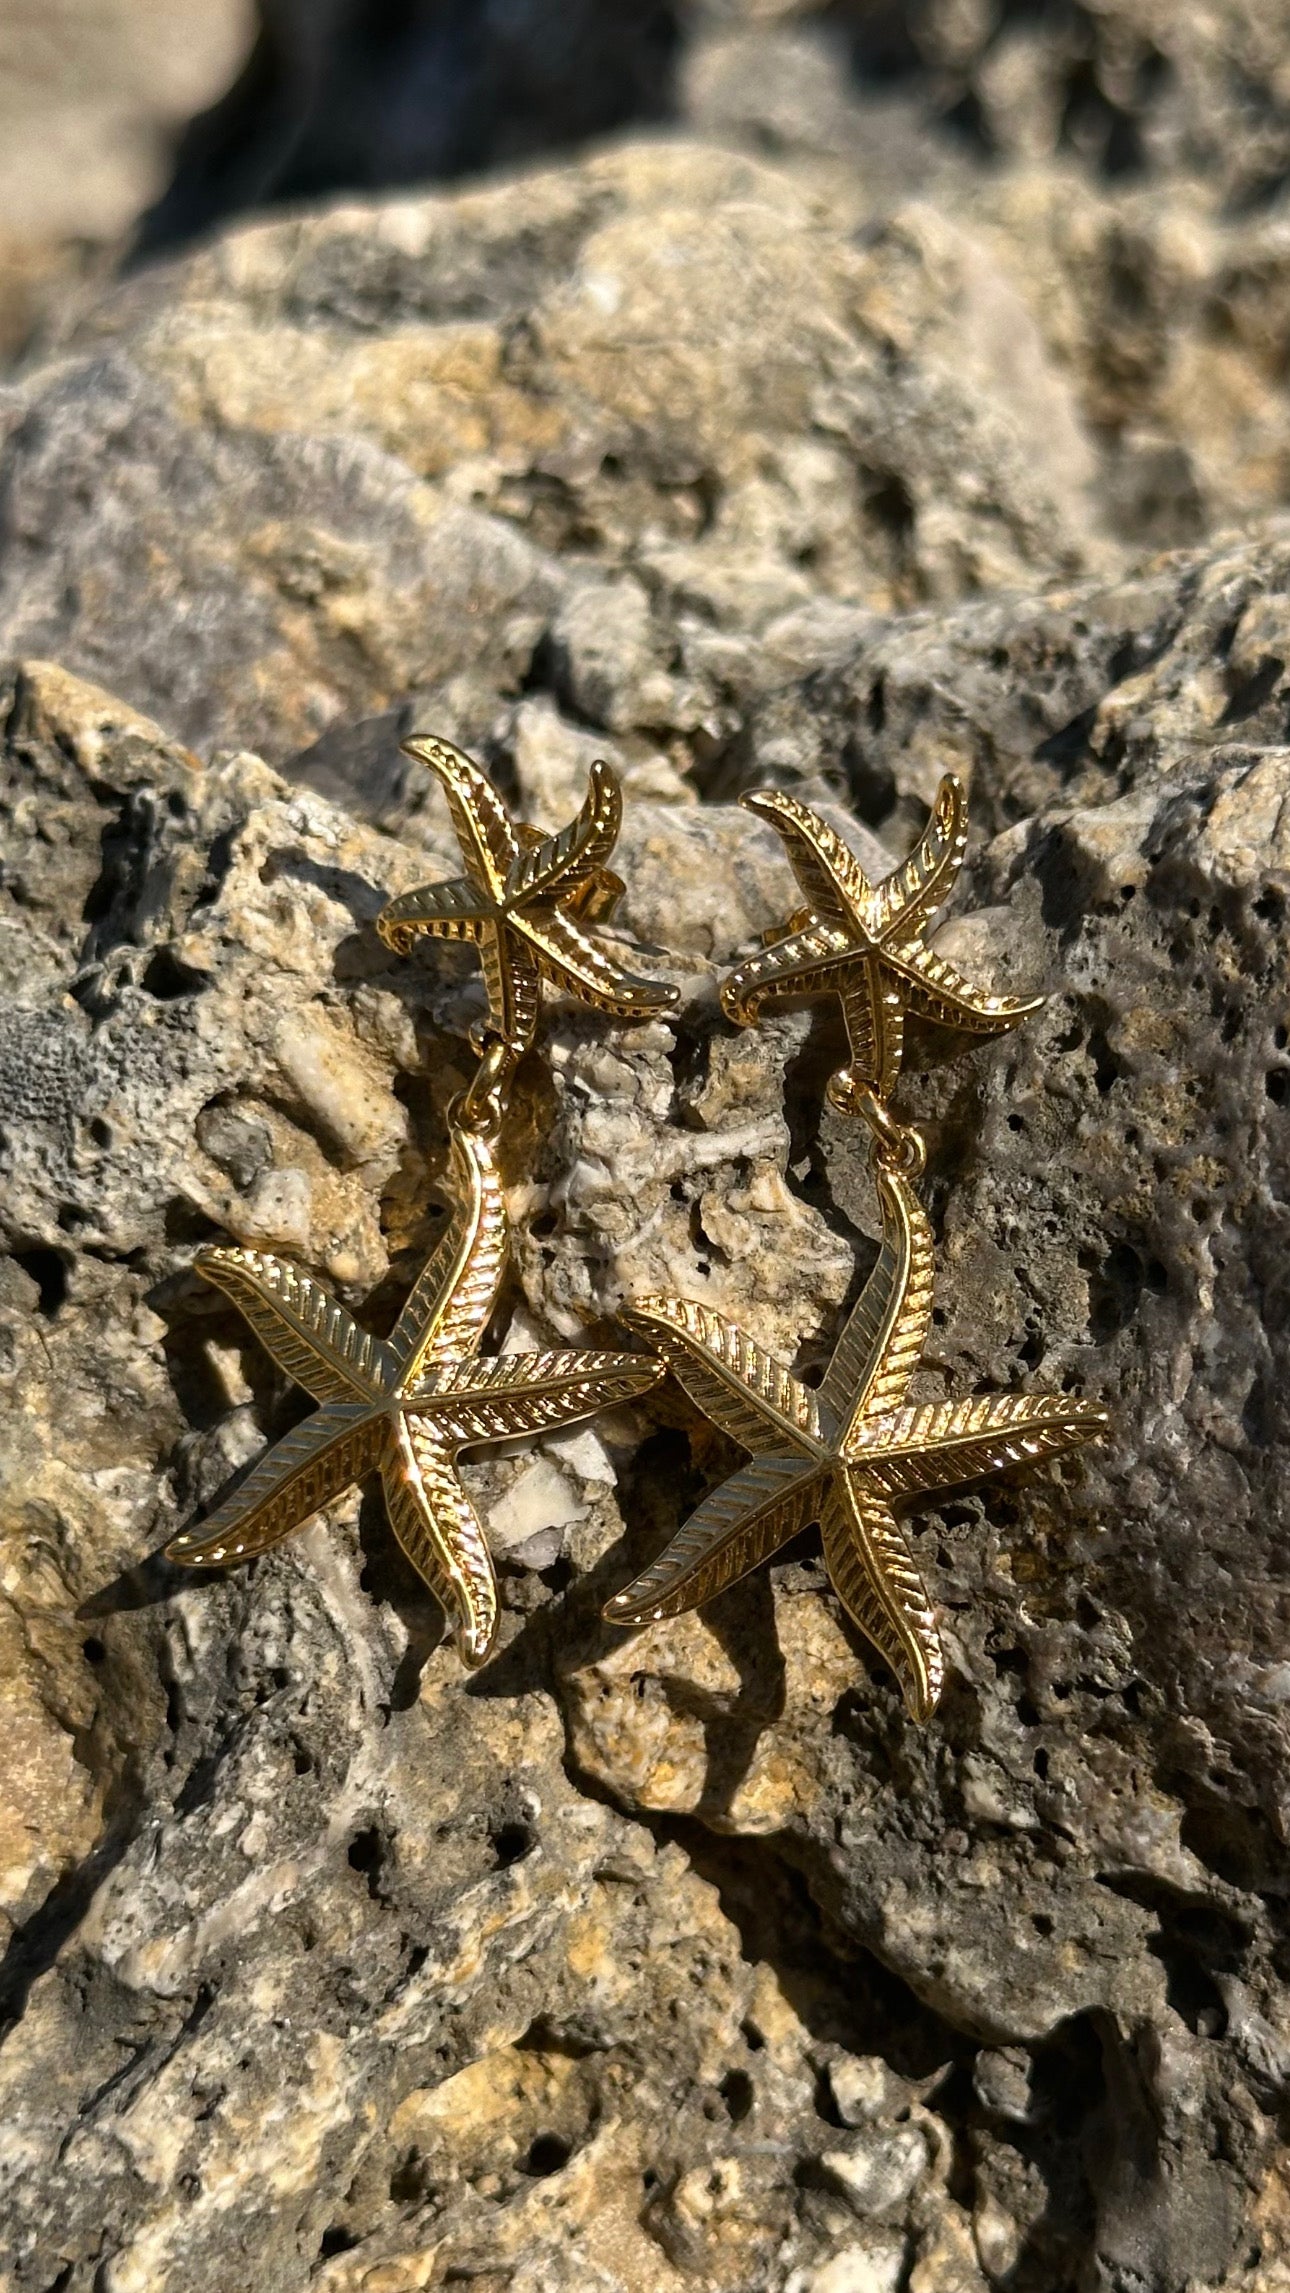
<point>678,1960</point>
<point>328,1962</point>
<point>647,436</point>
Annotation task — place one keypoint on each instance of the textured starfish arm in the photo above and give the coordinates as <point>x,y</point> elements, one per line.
<point>912,893</point>
<point>941,993</point>
<point>439,1530</point>
<point>309,1335</point>
<point>479,817</point>
<point>875,1023</point>
<point>448,1306</point>
<point>735,1528</point>
<point>829,873</point>
<point>815,960</point>
<point>592,897</point>
<point>878,1584</point>
<point>943,1443</point>
<point>733,1380</point>
<point>570,959</point>
<point>557,864</point>
<point>314,1463</point>
<point>453,910</point>
<point>881,1345</point>
<point>513,986</point>
<point>494,1400</point>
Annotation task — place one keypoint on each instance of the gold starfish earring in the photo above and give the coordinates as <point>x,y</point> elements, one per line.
<point>407,1405</point>
<point>865,944</point>
<point>842,1453</point>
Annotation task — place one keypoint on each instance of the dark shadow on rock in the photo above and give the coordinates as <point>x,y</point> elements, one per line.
<point>148,1583</point>
<point>37,1943</point>
<point>363,901</point>
<point>742,1620</point>
<point>569,1633</point>
<point>358,95</point>
<point>387,1576</point>
<point>361,765</point>
<point>842,1993</point>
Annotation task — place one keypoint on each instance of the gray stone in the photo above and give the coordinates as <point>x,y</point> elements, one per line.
<point>412,1960</point>
<point>632,1962</point>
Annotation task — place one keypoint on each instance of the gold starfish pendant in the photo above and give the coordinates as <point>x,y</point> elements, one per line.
<point>841,1454</point>
<point>525,900</point>
<point>865,943</point>
<point>404,1406</point>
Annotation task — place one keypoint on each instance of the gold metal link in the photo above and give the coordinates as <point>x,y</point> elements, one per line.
<point>481,1107</point>
<point>897,1144</point>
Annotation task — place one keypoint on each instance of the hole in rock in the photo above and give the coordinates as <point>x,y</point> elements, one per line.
<point>547,2154</point>
<point>367,1856</point>
<point>48,1270</point>
<point>511,1842</point>
<point>736,2091</point>
<point>336,2240</point>
<point>167,978</point>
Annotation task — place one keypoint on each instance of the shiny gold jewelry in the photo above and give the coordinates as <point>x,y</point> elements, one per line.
<point>406,1406</point>
<point>839,1455</point>
<point>524,901</point>
<point>865,943</point>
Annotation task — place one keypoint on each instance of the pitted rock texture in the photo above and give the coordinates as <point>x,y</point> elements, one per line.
<point>642,439</point>
<point>792,455</point>
<point>533,438</point>
<point>682,1958</point>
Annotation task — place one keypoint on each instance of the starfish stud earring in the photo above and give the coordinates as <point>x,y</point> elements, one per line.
<point>866,944</point>
<point>406,1405</point>
<point>524,900</point>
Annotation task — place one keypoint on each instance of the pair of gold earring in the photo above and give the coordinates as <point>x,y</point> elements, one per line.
<point>841,1454</point>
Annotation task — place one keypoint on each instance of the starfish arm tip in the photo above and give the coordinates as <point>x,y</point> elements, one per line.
<point>427,748</point>
<point>211,1257</point>
<point>626,1611</point>
<point>187,1551</point>
<point>735,1001</point>
<point>760,799</point>
<point>395,936</point>
<point>921,1702</point>
<point>643,1313</point>
<point>474,1647</point>
<point>650,1371</point>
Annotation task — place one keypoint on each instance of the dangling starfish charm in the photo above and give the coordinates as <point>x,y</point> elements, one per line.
<point>404,1405</point>
<point>839,1454</point>
<point>865,944</point>
<point>523,901</point>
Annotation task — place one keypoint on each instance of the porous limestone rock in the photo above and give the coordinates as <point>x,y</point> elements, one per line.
<point>677,1960</point>
<point>645,439</point>
<point>563,433</point>
<point>680,1958</point>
